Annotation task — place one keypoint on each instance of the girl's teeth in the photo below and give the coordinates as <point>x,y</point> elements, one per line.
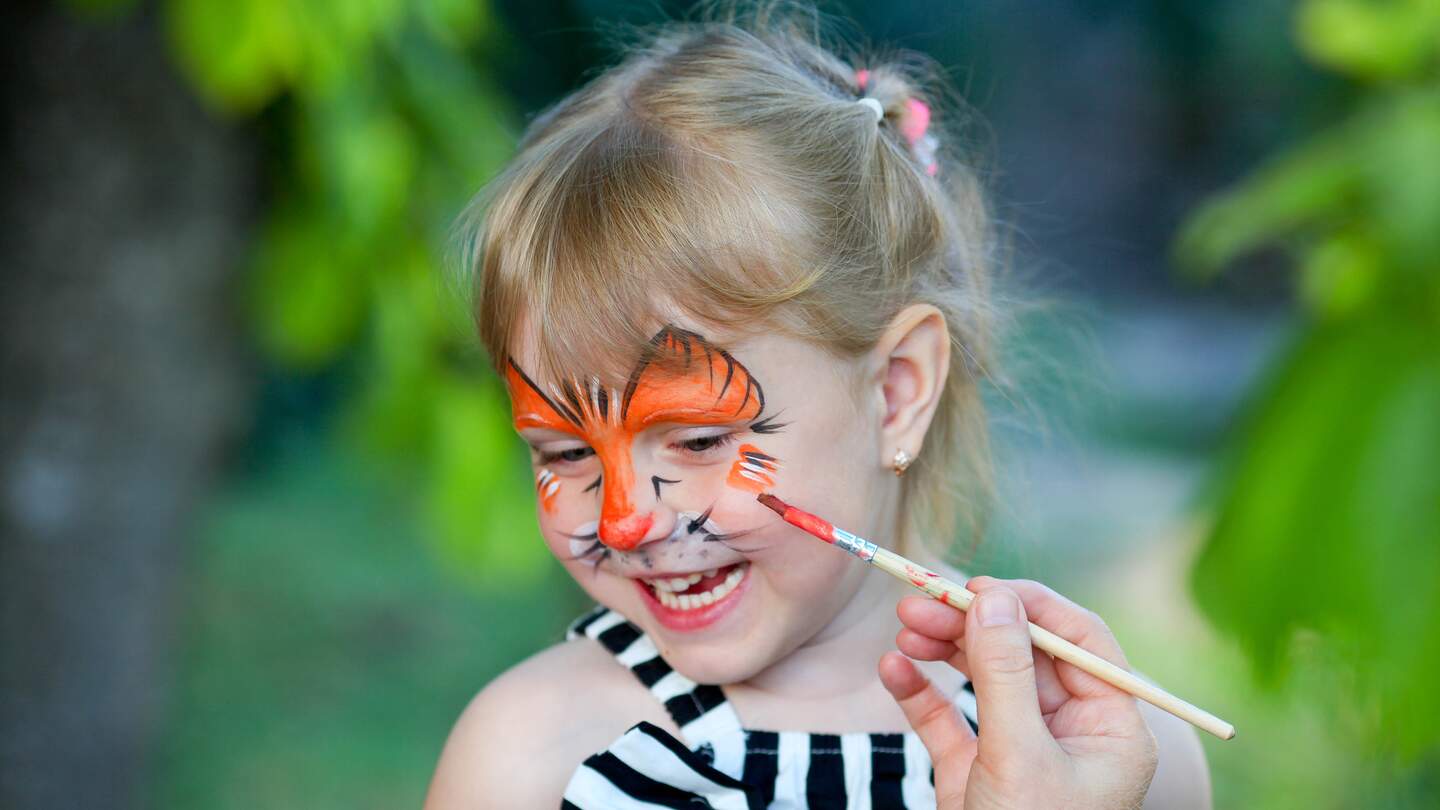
<point>665,590</point>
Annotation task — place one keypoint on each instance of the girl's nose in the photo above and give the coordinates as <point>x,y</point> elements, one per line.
<point>626,532</point>
<point>632,515</point>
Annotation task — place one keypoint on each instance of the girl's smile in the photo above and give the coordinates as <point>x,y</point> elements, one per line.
<point>681,595</point>
<point>687,602</point>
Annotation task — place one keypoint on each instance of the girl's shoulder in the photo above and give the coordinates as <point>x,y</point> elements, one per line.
<point>519,740</point>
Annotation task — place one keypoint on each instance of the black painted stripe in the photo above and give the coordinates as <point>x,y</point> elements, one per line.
<point>559,408</point>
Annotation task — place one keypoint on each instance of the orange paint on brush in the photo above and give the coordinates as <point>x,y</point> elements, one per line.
<point>817,526</point>
<point>918,575</point>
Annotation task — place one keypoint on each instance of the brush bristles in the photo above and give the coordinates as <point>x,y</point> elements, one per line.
<point>773,502</point>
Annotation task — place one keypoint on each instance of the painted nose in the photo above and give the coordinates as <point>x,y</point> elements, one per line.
<point>627,532</point>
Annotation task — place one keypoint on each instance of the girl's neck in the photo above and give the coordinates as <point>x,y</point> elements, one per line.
<point>829,683</point>
<point>841,658</point>
<point>831,679</point>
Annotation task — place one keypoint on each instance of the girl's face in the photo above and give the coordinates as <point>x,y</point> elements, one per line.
<point>647,494</point>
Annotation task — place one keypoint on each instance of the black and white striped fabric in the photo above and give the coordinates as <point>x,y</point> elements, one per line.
<point>721,764</point>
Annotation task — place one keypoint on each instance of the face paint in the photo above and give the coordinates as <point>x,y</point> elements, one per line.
<point>680,378</point>
<point>754,471</point>
<point>585,543</point>
<point>546,485</point>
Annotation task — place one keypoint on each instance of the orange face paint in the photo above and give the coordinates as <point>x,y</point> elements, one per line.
<point>546,485</point>
<point>680,378</point>
<point>754,471</point>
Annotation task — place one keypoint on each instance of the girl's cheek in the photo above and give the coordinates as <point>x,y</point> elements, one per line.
<point>554,517</point>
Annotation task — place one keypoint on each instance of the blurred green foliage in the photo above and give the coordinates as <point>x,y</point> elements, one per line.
<point>380,121</point>
<point>323,658</point>
<point>1326,545</point>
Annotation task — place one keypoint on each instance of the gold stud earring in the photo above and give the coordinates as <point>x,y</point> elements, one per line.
<point>901,462</point>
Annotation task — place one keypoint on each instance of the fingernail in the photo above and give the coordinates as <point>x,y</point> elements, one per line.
<point>997,608</point>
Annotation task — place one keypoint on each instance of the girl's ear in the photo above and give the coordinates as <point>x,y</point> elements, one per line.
<point>910,364</point>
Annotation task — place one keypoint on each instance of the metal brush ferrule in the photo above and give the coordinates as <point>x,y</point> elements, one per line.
<point>859,546</point>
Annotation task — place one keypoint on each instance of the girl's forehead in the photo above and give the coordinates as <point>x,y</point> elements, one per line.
<point>613,364</point>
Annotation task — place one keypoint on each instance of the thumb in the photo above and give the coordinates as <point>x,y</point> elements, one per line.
<point>1002,665</point>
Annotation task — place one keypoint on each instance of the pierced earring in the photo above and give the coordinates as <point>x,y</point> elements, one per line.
<point>901,462</point>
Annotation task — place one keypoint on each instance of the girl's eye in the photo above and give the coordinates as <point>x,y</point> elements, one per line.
<point>568,455</point>
<point>704,444</point>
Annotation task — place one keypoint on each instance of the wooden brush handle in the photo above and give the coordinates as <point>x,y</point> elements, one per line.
<point>958,596</point>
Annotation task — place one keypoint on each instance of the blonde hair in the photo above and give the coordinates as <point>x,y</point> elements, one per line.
<point>724,168</point>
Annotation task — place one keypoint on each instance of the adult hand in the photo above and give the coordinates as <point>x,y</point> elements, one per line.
<point>1051,735</point>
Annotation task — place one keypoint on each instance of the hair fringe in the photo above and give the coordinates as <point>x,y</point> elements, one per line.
<point>720,170</point>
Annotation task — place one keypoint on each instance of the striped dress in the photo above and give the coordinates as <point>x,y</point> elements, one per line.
<point>723,765</point>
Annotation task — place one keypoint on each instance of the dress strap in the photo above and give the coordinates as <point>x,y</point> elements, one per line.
<point>707,721</point>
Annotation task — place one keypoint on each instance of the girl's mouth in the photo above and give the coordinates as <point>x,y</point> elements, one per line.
<point>690,602</point>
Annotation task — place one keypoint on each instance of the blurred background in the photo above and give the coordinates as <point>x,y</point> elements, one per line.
<point>266,529</point>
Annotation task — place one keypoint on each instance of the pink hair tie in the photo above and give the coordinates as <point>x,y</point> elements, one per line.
<point>917,120</point>
<point>914,127</point>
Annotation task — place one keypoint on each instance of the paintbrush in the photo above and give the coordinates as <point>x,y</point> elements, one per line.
<point>957,596</point>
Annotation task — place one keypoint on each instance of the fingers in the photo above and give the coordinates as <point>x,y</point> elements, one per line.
<point>1048,686</point>
<point>929,628</point>
<point>931,618</point>
<point>1075,624</point>
<point>925,648</point>
<point>1002,666</point>
<point>945,734</point>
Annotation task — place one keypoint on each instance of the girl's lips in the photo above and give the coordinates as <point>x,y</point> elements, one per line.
<point>697,618</point>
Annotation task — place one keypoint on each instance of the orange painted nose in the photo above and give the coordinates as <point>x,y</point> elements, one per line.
<point>625,533</point>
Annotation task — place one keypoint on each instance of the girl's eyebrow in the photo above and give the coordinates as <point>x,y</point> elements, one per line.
<point>689,415</point>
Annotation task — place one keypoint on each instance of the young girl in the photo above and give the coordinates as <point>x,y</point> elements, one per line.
<point>736,263</point>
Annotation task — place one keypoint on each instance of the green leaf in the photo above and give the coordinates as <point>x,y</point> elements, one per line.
<point>1403,180</point>
<point>1341,274</point>
<point>1330,518</point>
<point>481,497</point>
<point>306,302</point>
<point>454,22</point>
<point>1313,181</point>
<point>362,157</point>
<point>240,54</point>
<point>1376,41</point>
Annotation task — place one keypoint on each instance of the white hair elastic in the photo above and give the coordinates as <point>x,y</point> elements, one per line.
<point>874,106</point>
